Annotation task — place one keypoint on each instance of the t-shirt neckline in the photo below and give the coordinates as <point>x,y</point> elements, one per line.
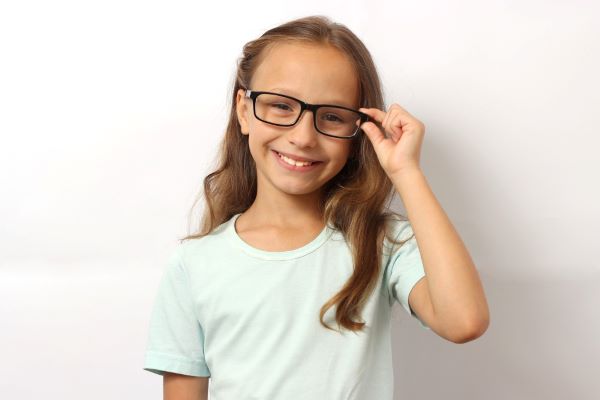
<point>276,255</point>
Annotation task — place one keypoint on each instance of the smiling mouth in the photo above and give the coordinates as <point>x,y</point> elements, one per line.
<point>291,161</point>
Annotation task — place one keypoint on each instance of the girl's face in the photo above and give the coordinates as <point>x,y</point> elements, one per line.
<point>315,74</point>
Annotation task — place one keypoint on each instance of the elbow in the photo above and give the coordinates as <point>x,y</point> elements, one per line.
<point>471,331</point>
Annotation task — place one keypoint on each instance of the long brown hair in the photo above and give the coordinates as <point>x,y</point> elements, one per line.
<point>356,201</point>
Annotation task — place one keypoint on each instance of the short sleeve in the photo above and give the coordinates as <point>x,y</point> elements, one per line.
<point>404,268</point>
<point>175,338</point>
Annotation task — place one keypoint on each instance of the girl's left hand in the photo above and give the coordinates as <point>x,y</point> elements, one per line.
<point>401,151</point>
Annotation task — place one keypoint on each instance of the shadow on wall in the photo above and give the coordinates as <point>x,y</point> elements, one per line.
<point>542,343</point>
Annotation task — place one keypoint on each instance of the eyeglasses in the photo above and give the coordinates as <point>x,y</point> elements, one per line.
<point>328,119</point>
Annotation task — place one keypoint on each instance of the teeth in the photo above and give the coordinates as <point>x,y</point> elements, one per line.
<point>293,162</point>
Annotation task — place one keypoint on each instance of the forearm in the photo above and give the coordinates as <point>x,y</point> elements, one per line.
<point>456,293</point>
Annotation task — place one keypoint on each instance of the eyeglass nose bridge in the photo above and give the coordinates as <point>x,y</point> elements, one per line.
<point>310,107</point>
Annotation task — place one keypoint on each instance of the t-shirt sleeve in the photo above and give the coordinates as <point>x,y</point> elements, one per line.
<point>175,338</point>
<point>404,268</point>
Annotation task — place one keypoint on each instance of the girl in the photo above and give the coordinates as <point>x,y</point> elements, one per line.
<point>286,292</point>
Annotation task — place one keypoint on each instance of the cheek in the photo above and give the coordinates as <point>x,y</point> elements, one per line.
<point>342,152</point>
<point>259,140</point>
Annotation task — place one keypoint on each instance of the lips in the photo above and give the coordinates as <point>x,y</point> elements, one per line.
<point>296,158</point>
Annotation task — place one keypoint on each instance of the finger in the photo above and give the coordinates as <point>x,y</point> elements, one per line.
<point>375,113</point>
<point>386,120</point>
<point>391,116</point>
<point>396,123</point>
<point>373,132</point>
<point>403,112</point>
<point>396,128</point>
<point>390,121</point>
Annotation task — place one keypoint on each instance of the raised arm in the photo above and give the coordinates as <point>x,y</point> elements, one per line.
<point>184,387</point>
<point>450,299</point>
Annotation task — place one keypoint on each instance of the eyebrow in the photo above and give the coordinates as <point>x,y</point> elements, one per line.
<point>293,93</point>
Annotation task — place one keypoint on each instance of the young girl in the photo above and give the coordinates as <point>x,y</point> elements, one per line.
<point>287,291</point>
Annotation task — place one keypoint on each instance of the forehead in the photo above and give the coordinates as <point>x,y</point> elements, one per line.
<point>312,72</point>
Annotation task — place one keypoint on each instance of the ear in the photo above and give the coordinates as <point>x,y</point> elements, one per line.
<point>242,107</point>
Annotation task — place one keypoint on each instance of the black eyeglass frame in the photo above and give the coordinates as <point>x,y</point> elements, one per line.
<point>253,94</point>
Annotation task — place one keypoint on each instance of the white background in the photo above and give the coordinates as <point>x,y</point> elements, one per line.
<point>110,114</point>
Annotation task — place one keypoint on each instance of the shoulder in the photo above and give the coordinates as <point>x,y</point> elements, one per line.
<point>214,240</point>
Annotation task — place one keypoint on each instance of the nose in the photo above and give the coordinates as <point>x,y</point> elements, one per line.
<point>303,133</point>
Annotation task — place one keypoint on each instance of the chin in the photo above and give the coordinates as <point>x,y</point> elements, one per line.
<point>299,190</point>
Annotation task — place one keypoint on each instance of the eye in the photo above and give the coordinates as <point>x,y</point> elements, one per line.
<point>334,118</point>
<point>282,106</point>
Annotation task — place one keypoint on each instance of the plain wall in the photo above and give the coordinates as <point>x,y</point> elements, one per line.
<point>111,113</point>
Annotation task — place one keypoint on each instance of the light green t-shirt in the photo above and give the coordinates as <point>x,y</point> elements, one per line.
<point>249,318</point>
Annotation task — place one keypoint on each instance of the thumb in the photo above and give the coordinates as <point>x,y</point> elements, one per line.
<point>373,132</point>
